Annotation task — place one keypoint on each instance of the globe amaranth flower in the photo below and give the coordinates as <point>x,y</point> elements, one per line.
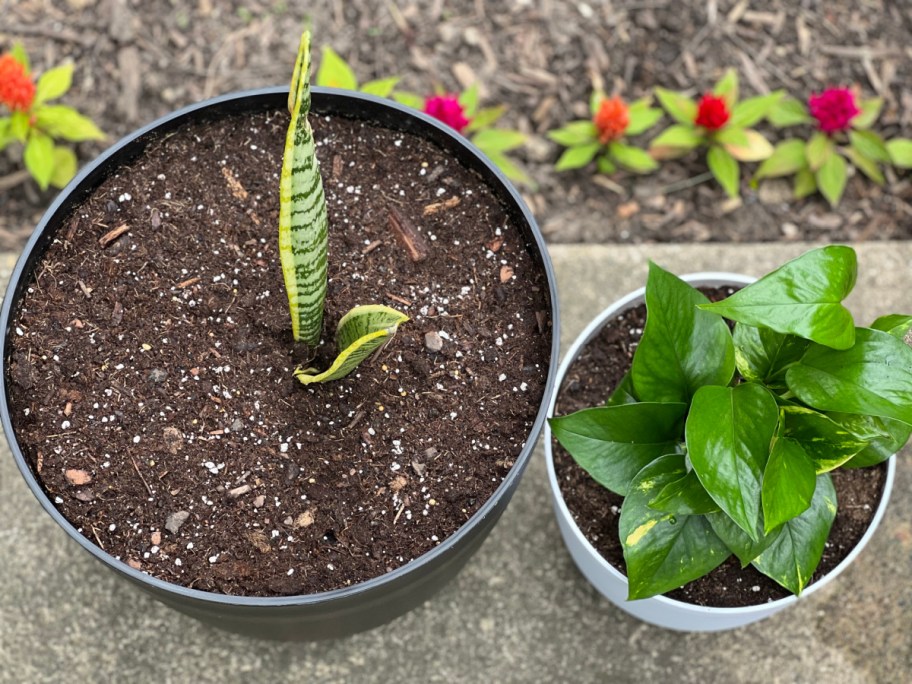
<point>611,119</point>
<point>446,108</point>
<point>712,112</point>
<point>834,109</point>
<point>17,91</point>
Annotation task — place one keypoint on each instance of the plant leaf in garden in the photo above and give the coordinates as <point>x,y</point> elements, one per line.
<point>335,72</point>
<point>623,393</point>
<point>577,157</point>
<point>900,150</point>
<point>788,157</point>
<point>682,348</point>
<point>642,117</point>
<point>728,433</point>
<point>685,496</point>
<point>612,443</point>
<point>361,331</point>
<point>727,87</point>
<point>884,437</point>
<point>870,110</point>
<point>763,355</point>
<point>831,178</point>
<point>381,87</point>
<point>789,480</point>
<point>65,122</point>
<point>865,164</point>
<point>818,149</point>
<point>826,443</point>
<point>303,222</point>
<point>53,83</point>
<point>632,158</point>
<point>797,548</point>
<point>754,109</point>
<point>65,166</point>
<point>736,539</point>
<point>757,148</point>
<point>679,136</point>
<point>679,107</point>
<point>874,377</point>
<point>663,551</point>
<point>805,184</point>
<point>802,297</point>
<point>897,325</point>
<point>575,133</point>
<point>869,144</point>
<point>39,158</point>
<point>724,169</point>
<point>788,112</point>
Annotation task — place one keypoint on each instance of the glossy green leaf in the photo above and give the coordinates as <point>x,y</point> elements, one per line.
<point>468,98</point>
<point>727,88</point>
<point>884,437</point>
<point>678,135</point>
<point>897,325</point>
<point>754,109</point>
<point>53,83</point>
<point>724,169</point>
<point>303,221</point>
<point>870,110</point>
<point>788,157</point>
<point>788,112</point>
<point>805,184</point>
<point>685,496</point>
<point>360,332</point>
<point>789,481</point>
<point>39,158</point>
<point>865,164</point>
<point>796,551</point>
<point>335,72</point>
<point>900,150</point>
<point>60,121</point>
<point>65,166</point>
<point>763,355</point>
<point>757,148</point>
<point>613,443</point>
<point>632,158</point>
<point>682,348</point>
<point>679,107</point>
<point>819,148</point>
<point>827,444</point>
<point>728,433</point>
<point>485,118</point>
<point>498,140</point>
<point>870,144</point>
<point>381,87</point>
<point>623,393</point>
<point>663,551</point>
<point>577,157</point>
<point>575,133</point>
<point>642,117</point>
<point>802,298</point>
<point>873,377</point>
<point>736,539</point>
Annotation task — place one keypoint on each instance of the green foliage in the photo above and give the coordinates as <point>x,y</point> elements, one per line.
<point>733,142</point>
<point>711,463</point>
<point>584,142</point>
<point>39,127</point>
<point>303,243</point>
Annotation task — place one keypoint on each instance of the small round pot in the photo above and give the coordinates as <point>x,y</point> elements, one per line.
<point>368,604</point>
<point>608,580</point>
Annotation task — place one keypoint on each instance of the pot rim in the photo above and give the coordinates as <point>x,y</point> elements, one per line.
<point>443,136</point>
<point>701,279</point>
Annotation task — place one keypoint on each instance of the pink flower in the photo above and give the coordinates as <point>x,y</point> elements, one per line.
<point>447,109</point>
<point>712,112</point>
<point>834,109</point>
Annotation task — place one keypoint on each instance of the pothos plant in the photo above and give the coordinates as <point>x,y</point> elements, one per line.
<point>303,244</point>
<point>603,137</point>
<point>843,137</point>
<point>720,123</point>
<point>36,124</point>
<point>722,441</point>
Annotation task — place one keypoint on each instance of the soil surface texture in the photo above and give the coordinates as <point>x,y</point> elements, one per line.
<point>151,362</point>
<point>138,59</point>
<point>596,510</point>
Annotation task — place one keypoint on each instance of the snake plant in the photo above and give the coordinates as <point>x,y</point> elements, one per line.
<point>303,241</point>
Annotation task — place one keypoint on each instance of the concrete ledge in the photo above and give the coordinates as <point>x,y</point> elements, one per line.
<point>520,612</point>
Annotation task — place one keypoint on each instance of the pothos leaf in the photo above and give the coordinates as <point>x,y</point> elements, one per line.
<point>303,222</point>
<point>360,332</point>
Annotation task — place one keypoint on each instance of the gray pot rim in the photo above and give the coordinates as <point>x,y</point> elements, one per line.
<point>747,613</point>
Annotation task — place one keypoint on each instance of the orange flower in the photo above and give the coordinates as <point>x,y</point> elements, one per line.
<point>611,119</point>
<point>16,88</point>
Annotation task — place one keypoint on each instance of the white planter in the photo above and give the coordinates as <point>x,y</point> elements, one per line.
<point>660,610</point>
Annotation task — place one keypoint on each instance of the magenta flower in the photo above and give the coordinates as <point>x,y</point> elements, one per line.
<point>834,109</point>
<point>447,109</point>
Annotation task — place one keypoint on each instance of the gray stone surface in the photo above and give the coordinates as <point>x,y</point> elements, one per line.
<point>520,612</point>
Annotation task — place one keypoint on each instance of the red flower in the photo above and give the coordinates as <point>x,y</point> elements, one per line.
<point>16,88</point>
<point>447,109</point>
<point>712,113</point>
<point>834,109</point>
<point>611,119</point>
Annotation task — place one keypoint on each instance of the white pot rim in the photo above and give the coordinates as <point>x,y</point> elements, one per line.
<point>702,279</point>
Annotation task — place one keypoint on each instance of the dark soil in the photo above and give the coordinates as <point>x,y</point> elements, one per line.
<point>151,373</point>
<point>136,60</point>
<point>596,510</point>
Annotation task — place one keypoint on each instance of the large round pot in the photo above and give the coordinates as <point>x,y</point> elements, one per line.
<point>361,606</point>
<point>611,583</point>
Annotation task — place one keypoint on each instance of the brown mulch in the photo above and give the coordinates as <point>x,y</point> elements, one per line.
<point>138,60</point>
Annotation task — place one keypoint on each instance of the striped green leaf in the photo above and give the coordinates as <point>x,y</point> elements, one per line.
<point>303,222</point>
<point>360,332</point>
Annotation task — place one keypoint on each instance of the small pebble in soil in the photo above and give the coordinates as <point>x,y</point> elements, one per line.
<point>175,520</point>
<point>433,341</point>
